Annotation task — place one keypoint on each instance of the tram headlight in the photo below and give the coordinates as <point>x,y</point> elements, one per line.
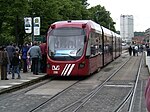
<point>82,65</point>
<point>48,66</point>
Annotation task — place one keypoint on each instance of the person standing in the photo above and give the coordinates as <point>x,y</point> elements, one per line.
<point>43,60</point>
<point>136,50</point>
<point>130,50</point>
<point>4,59</point>
<point>10,50</point>
<point>15,66</point>
<point>148,51</point>
<point>35,53</point>
<point>25,49</point>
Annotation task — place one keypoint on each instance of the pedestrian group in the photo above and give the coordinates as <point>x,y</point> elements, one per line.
<point>134,50</point>
<point>26,57</point>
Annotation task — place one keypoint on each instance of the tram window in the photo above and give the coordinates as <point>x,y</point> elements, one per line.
<point>93,50</point>
<point>71,44</point>
<point>88,50</point>
<point>68,31</point>
<point>95,42</point>
<point>100,48</point>
<point>56,43</point>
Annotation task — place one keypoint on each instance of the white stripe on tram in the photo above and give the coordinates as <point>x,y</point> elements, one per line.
<point>64,69</point>
<point>67,69</point>
<point>71,69</point>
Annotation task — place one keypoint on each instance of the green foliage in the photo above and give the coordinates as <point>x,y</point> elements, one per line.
<point>11,19</point>
<point>12,13</point>
<point>102,17</point>
<point>6,39</point>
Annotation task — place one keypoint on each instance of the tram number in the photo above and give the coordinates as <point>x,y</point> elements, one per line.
<point>55,72</point>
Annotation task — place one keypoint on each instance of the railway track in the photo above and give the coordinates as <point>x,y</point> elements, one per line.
<point>52,98</point>
<point>82,100</point>
<point>131,95</point>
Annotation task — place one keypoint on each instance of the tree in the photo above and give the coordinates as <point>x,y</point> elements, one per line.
<point>12,14</point>
<point>51,11</point>
<point>102,17</point>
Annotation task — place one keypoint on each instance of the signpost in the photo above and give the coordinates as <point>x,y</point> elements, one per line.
<point>32,25</point>
<point>36,22</point>
<point>28,24</point>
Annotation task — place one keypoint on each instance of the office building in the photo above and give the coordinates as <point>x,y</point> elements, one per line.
<point>127,28</point>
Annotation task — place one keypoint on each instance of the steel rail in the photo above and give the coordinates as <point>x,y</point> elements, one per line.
<point>135,86</point>
<point>53,97</point>
<point>87,97</point>
<point>131,95</point>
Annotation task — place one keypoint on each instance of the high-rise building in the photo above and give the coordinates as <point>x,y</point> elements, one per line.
<point>126,28</point>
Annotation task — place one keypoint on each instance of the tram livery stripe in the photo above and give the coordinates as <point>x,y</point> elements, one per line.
<point>64,69</point>
<point>67,69</point>
<point>70,70</point>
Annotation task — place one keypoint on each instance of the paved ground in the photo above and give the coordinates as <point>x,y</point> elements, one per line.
<point>26,78</point>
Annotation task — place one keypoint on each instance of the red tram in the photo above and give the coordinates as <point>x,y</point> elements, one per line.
<point>80,47</point>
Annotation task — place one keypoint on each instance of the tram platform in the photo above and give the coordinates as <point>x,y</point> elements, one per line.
<point>26,79</point>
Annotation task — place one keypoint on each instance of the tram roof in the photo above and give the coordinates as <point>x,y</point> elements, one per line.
<point>92,24</point>
<point>107,31</point>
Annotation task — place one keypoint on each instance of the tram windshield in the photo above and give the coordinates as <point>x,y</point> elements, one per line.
<point>66,43</point>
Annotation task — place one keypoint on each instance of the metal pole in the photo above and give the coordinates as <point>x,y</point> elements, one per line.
<point>32,28</point>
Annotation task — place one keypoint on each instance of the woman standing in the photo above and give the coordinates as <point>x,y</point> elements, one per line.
<point>25,49</point>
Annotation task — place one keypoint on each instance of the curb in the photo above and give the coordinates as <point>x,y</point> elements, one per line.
<point>22,85</point>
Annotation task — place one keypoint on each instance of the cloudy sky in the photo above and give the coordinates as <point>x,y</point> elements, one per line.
<point>140,9</point>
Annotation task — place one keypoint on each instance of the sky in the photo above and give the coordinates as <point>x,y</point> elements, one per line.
<point>140,9</point>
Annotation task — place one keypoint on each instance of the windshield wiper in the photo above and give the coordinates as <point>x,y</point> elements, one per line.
<point>78,50</point>
<point>52,53</point>
<point>68,55</point>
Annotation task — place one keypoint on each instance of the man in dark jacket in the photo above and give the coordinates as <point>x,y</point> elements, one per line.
<point>130,50</point>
